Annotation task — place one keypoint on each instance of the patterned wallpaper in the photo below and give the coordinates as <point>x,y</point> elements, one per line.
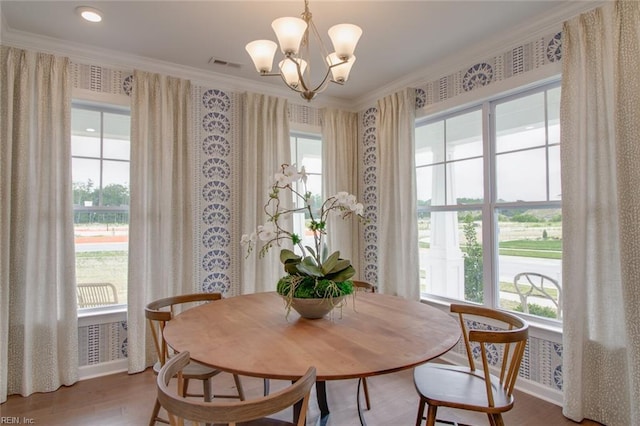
<point>217,132</point>
<point>516,61</point>
<point>369,194</point>
<point>216,135</point>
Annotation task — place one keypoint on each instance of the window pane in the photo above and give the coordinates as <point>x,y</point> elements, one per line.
<point>522,176</point>
<point>116,136</point>
<point>85,133</point>
<point>530,241</point>
<point>314,186</point>
<point>555,189</point>
<point>86,181</point>
<point>450,252</point>
<point>309,154</point>
<point>465,182</point>
<point>553,115</point>
<point>430,185</point>
<point>430,143</point>
<point>85,146</point>
<point>464,136</point>
<point>115,172</point>
<point>520,123</point>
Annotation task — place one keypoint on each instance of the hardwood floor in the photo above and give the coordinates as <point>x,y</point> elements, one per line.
<point>122,399</point>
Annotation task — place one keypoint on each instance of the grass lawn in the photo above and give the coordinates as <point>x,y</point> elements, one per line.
<point>104,266</point>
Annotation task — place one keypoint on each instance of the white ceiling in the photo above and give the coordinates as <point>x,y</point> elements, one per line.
<point>399,37</point>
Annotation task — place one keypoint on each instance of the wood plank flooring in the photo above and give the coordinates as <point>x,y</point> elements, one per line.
<point>123,399</point>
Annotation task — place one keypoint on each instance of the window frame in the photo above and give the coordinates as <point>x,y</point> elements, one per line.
<point>490,206</point>
<point>102,108</point>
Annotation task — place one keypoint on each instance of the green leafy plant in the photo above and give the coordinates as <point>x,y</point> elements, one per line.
<point>473,287</point>
<point>541,311</point>
<point>315,272</point>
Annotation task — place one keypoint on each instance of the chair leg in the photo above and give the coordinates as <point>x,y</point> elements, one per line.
<point>495,419</point>
<point>185,387</point>
<point>236,379</point>
<point>420,412</point>
<point>155,413</point>
<point>365,387</point>
<point>206,390</point>
<point>431,415</point>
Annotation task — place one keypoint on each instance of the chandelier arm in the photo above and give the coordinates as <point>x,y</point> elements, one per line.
<point>323,84</point>
<point>295,89</point>
<point>323,48</point>
<point>300,76</point>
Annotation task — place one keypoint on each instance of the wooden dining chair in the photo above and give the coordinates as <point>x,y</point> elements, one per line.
<point>158,313</point>
<point>249,412</point>
<point>499,338</point>
<point>366,287</point>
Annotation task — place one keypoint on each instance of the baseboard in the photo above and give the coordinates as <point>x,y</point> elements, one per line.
<point>86,372</point>
<point>527,386</point>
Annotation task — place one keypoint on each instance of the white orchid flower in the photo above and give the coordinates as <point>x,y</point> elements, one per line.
<point>357,208</point>
<point>246,239</point>
<point>267,231</point>
<point>341,197</point>
<point>289,175</point>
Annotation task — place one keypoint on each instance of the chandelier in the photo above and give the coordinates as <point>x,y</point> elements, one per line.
<point>295,67</point>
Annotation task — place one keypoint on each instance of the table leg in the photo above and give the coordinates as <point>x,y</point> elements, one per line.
<point>363,422</point>
<point>321,394</point>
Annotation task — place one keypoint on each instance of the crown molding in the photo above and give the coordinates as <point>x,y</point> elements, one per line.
<point>85,54</point>
<point>495,45</point>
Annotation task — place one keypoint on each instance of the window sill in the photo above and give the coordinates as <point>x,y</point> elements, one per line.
<point>537,328</point>
<point>101,315</point>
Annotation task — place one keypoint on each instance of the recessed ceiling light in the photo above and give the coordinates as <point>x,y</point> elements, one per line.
<point>89,129</point>
<point>90,14</point>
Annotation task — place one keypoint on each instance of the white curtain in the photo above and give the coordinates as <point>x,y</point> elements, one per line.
<point>397,223</point>
<point>600,120</point>
<point>266,145</point>
<point>340,173</point>
<point>161,253</point>
<point>38,317</point>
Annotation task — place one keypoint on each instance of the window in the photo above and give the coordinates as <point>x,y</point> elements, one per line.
<point>306,150</point>
<point>100,149</point>
<point>489,204</point>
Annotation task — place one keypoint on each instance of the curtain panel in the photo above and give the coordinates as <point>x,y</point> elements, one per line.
<point>398,224</point>
<point>340,173</point>
<point>265,146</point>
<point>38,314</point>
<point>600,120</point>
<point>161,241</point>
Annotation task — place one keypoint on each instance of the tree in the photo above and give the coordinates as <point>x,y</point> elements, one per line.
<point>83,192</point>
<point>115,194</point>
<point>473,287</point>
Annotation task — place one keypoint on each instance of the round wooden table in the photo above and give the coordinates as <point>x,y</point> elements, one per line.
<point>250,335</point>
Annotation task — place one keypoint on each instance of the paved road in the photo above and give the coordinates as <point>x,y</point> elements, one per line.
<point>509,266</point>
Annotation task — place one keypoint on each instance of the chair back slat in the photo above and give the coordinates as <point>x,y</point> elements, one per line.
<point>91,295</point>
<point>160,311</point>
<point>230,412</point>
<point>511,335</point>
